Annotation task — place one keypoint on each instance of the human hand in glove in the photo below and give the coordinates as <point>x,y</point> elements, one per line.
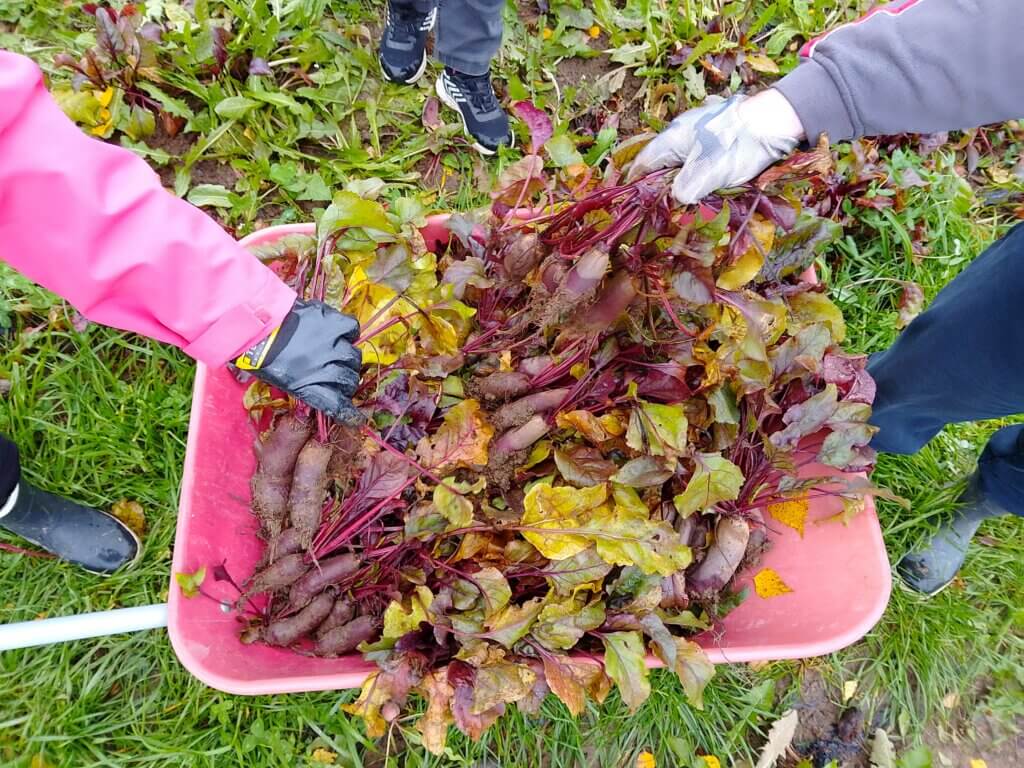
<point>311,357</point>
<point>724,143</point>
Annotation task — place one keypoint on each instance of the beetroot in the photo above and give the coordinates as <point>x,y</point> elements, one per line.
<point>276,453</point>
<point>342,613</point>
<point>344,639</point>
<point>323,574</point>
<point>309,489</point>
<point>287,631</point>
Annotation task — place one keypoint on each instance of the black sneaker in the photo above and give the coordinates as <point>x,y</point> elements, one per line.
<point>95,540</point>
<point>931,569</point>
<point>472,96</point>
<point>403,46</point>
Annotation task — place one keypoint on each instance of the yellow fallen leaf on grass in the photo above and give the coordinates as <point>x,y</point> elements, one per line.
<point>791,512</point>
<point>849,689</point>
<point>710,761</point>
<point>323,756</point>
<point>645,760</point>
<point>131,514</point>
<point>768,583</point>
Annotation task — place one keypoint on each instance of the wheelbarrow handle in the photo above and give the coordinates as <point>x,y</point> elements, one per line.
<point>26,634</point>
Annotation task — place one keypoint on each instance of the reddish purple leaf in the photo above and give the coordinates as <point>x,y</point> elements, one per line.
<point>538,123</point>
<point>432,114</point>
<point>259,66</point>
<point>911,303</point>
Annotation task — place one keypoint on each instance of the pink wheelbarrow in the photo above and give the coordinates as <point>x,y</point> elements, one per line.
<point>839,575</point>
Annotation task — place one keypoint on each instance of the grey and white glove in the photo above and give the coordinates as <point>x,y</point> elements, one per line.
<point>724,143</point>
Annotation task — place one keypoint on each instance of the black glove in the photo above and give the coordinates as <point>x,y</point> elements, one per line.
<point>311,357</point>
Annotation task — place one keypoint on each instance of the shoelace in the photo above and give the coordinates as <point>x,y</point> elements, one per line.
<point>479,90</point>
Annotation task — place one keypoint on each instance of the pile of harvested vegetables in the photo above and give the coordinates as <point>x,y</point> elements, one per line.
<point>573,423</point>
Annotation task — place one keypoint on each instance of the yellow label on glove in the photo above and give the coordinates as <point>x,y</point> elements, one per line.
<point>252,359</point>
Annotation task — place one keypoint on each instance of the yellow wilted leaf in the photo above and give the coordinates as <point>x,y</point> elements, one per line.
<point>791,512</point>
<point>977,762</point>
<point>399,620</point>
<point>746,267</point>
<point>761,63</point>
<point>768,583</point>
<point>131,514</point>
<point>461,441</point>
<point>505,360</point>
<point>645,760</point>
<point>105,97</point>
<point>849,690</point>
<point>560,508</point>
<point>710,761</point>
<point>323,756</point>
<point>596,430</point>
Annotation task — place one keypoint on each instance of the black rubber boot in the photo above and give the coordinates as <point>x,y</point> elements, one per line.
<point>95,540</point>
<point>473,97</point>
<point>933,568</point>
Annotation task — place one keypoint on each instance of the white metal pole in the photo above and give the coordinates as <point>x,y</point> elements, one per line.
<point>26,634</point>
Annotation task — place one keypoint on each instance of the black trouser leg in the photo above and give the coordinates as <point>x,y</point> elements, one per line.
<point>963,360</point>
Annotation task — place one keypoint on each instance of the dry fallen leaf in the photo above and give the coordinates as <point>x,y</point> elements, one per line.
<point>882,753</point>
<point>911,303</point>
<point>849,689</point>
<point>791,513</point>
<point>131,514</point>
<point>768,583</point>
<point>950,700</point>
<point>323,756</point>
<point>779,739</point>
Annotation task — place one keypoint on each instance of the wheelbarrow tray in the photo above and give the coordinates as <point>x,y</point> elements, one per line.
<point>839,575</point>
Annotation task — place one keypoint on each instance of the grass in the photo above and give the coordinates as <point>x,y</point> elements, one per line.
<point>102,416</point>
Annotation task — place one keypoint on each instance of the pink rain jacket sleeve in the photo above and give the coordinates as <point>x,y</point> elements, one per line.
<point>92,223</point>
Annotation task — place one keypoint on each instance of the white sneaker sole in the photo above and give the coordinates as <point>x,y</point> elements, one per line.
<point>449,102</point>
<point>412,80</point>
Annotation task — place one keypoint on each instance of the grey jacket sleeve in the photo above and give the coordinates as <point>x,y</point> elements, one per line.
<point>916,66</point>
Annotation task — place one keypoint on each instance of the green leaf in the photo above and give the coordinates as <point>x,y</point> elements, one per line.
<point>585,567</point>
<point>643,472</point>
<point>350,210</point>
<point>488,588</point>
<point>501,683</point>
<point>684,657</point>
<point>513,622</point>
<point>715,479</point>
<point>235,107</point>
<point>213,195</point>
<point>807,308</point>
<point>560,625</point>
<point>400,619</point>
<point>456,509</point>
<point>657,429</point>
<point>191,582</point>
<point>806,349</point>
<point>562,151</point>
<point>140,123</point>
<point>850,431</point>
<point>724,409</point>
<point>707,44</point>
<point>652,546</point>
<point>624,663</point>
